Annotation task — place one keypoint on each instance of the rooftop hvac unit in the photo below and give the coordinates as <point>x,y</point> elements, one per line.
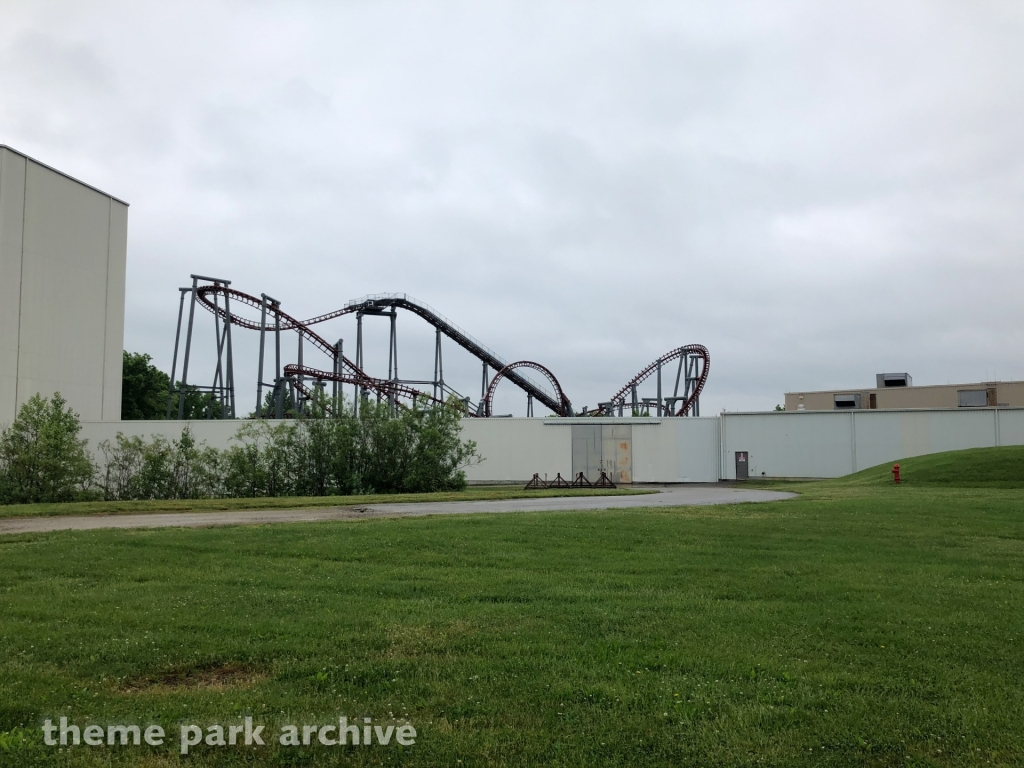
<point>976,398</point>
<point>843,402</point>
<point>883,380</point>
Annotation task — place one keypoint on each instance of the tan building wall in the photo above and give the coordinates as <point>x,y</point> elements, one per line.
<point>63,246</point>
<point>1007,393</point>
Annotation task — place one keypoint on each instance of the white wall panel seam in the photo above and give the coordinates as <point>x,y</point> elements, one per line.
<point>21,287</point>
<point>3,162</point>
<point>106,314</point>
<point>721,448</point>
<point>853,441</point>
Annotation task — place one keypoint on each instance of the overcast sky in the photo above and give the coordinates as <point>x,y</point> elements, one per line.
<point>817,192</point>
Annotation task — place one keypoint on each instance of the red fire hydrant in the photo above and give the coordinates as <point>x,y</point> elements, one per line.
<point>896,473</point>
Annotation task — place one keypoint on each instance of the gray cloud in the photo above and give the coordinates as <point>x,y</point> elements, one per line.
<point>815,192</point>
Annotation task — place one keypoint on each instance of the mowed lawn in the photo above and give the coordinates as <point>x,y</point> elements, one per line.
<point>860,624</point>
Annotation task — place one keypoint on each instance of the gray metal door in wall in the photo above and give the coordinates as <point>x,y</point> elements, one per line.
<point>586,451</point>
<point>742,470</point>
<point>607,448</point>
<point>617,452</point>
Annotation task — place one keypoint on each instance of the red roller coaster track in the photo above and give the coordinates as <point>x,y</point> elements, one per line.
<point>565,408</point>
<point>381,386</point>
<point>685,352</point>
<point>215,298</point>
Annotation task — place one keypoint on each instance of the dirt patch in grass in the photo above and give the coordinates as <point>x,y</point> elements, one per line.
<point>218,677</point>
<point>426,640</point>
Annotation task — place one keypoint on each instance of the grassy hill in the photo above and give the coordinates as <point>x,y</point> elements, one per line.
<point>975,468</point>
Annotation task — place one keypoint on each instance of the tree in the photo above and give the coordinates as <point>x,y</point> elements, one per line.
<point>269,409</point>
<point>144,388</point>
<point>41,457</point>
<point>198,405</point>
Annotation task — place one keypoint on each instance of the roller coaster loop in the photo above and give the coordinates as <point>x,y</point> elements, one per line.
<point>565,407</point>
<point>694,362</point>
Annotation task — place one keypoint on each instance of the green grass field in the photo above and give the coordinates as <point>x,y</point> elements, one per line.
<point>472,493</point>
<point>859,624</point>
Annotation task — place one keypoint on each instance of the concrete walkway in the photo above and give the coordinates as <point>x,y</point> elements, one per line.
<point>667,496</point>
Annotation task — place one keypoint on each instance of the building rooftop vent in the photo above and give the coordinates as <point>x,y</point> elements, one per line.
<point>846,401</point>
<point>883,380</point>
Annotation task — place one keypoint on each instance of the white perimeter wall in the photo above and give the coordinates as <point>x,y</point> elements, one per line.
<point>664,450</point>
<point>513,449</point>
<point>216,434</point>
<point>806,444</point>
<point>62,269</point>
<point>832,444</point>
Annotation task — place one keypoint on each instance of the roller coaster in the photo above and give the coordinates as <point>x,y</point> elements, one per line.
<point>299,384</point>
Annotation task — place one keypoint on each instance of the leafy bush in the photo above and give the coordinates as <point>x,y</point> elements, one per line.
<point>41,457</point>
<point>160,469</point>
<point>377,451</point>
<point>416,450</point>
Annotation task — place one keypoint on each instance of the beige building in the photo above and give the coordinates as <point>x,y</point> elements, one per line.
<point>897,390</point>
<point>62,279</point>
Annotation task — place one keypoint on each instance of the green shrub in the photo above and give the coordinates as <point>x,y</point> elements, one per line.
<point>376,451</point>
<point>417,451</point>
<point>159,469</point>
<point>41,457</point>
<point>379,450</point>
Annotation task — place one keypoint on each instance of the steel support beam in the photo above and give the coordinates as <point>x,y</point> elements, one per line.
<point>296,395</point>
<point>188,350</point>
<point>359,361</point>
<point>174,360</point>
<point>230,355</point>
<point>438,367</point>
<point>659,387</point>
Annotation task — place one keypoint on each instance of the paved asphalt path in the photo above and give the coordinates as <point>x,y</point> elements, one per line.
<point>667,496</point>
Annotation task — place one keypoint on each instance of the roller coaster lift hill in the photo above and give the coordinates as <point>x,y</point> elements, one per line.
<point>302,383</point>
